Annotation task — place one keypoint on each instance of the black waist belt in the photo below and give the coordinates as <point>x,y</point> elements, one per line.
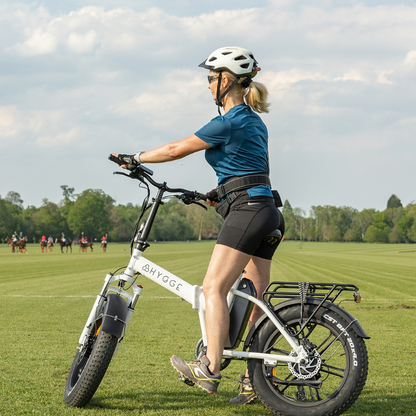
<point>240,183</point>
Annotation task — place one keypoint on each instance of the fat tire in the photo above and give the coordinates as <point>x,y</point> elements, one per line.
<point>348,383</point>
<point>80,389</point>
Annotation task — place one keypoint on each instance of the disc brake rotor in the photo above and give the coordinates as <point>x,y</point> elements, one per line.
<point>306,370</point>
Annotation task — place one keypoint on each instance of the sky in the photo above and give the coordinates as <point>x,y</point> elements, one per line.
<point>81,79</point>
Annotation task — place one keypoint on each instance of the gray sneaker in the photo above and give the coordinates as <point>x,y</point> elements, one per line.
<point>247,394</point>
<point>197,372</point>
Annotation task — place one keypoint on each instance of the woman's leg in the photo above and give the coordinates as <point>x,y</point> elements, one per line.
<point>225,266</point>
<point>258,271</point>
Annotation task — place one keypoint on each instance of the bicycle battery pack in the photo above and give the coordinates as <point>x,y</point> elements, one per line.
<point>239,314</point>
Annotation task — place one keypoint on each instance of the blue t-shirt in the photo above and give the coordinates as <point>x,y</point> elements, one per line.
<point>238,141</point>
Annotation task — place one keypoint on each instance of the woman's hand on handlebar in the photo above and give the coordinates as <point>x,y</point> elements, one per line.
<point>130,161</point>
<point>211,203</point>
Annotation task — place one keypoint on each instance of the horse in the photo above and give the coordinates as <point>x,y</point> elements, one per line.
<point>44,245</point>
<point>11,243</point>
<point>66,243</point>
<point>50,245</point>
<point>104,246</point>
<point>84,246</point>
<point>20,244</point>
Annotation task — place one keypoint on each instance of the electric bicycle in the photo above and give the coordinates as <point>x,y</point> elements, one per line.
<point>305,354</point>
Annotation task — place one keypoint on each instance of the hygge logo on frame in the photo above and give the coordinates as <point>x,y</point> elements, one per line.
<point>161,276</point>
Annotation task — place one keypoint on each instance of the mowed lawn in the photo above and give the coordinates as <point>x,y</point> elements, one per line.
<point>45,299</point>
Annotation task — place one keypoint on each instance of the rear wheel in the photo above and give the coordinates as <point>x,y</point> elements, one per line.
<point>90,364</point>
<point>331,380</point>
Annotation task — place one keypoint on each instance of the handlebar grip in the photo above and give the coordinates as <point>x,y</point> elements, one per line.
<point>116,160</point>
<point>204,197</point>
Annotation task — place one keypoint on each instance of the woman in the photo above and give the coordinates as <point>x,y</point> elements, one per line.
<point>235,146</point>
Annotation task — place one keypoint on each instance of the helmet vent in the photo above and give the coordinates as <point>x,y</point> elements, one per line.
<point>226,53</point>
<point>213,59</point>
<point>245,66</point>
<point>240,58</point>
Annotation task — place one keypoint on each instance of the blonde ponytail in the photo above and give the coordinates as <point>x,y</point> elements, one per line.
<point>256,97</point>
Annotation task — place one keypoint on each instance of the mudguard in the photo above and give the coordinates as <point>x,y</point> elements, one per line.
<point>356,327</point>
<point>114,315</point>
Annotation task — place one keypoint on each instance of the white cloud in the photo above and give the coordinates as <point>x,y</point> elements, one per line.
<point>351,75</point>
<point>99,76</point>
<point>382,77</point>
<point>83,43</point>
<point>410,57</point>
<point>40,42</point>
<point>59,139</point>
<point>41,127</point>
<point>9,122</point>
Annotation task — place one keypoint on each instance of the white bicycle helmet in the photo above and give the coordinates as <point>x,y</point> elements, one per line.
<point>238,61</point>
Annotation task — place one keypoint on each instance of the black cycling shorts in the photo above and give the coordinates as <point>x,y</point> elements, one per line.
<point>248,222</point>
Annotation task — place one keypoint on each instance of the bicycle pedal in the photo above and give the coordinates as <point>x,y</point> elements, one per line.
<point>186,381</point>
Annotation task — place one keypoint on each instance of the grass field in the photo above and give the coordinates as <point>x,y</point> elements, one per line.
<point>45,299</point>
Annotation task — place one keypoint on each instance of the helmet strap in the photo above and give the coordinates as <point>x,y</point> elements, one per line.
<point>219,99</point>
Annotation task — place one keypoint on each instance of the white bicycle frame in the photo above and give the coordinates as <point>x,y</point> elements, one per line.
<point>192,294</point>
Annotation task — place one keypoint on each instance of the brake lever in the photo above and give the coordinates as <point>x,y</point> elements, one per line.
<point>201,205</point>
<point>121,173</point>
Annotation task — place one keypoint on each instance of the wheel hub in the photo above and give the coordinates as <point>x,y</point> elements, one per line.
<point>306,370</point>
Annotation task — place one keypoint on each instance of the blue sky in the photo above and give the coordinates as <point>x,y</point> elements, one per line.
<point>82,79</point>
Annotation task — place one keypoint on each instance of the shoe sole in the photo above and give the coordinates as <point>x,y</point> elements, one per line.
<point>194,381</point>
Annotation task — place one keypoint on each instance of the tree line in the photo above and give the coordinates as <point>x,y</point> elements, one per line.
<point>95,214</point>
<point>396,224</point>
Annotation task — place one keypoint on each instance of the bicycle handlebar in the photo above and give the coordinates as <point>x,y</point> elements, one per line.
<point>141,172</point>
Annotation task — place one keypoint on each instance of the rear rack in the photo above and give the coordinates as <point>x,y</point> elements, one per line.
<point>302,290</point>
<point>325,291</point>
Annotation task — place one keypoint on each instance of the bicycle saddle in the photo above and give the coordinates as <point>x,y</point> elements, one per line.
<point>272,238</point>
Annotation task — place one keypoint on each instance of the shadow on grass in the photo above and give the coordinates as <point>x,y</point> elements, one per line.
<point>385,404</point>
<point>197,402</point>
<point>191,402</point>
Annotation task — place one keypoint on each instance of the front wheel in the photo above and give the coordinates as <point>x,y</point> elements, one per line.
<point>331,380</point>
<point>91,361</point>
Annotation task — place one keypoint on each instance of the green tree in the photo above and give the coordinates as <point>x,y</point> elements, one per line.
<point>123,218</point>
<point>7,221</point>
<point>171,224</point>
<point>90,214</point>
<point>361,221</point>
<point>380,229</point>
<point>68,201</point>
<point>205,224</point>
<point>14,199</point>
<point>288,215</point>
<point>48,220</point>
<point>407,224</point>
<point>394,202</point>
